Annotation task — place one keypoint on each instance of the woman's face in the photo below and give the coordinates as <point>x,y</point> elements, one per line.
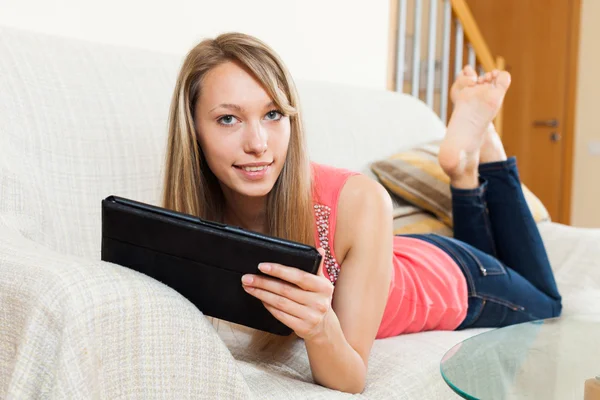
<point>242,134</point>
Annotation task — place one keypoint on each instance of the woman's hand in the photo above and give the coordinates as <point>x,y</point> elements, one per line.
<point>300,300</point>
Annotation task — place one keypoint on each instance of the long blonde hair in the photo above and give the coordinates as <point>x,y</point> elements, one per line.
<point>189,184</point>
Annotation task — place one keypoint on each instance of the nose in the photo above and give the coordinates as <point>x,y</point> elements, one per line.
<point>255,141</point>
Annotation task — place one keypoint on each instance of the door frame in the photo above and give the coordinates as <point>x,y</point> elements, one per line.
<point>570,98</point>
<point>570,112</point>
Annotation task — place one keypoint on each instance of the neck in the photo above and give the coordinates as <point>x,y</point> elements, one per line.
<point>248,213</point>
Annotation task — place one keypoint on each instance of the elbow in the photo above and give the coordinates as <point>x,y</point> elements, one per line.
<point>349,384</point>
<point>356,387</point>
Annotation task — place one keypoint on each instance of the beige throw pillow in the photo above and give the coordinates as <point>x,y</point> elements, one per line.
<point>416,176</point>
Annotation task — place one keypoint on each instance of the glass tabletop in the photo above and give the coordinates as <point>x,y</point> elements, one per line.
<point>548,359</point>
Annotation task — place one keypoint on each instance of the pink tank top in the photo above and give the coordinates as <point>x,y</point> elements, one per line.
<point>428,290</point>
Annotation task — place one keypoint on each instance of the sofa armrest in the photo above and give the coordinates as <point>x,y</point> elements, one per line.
<point>78,328</point>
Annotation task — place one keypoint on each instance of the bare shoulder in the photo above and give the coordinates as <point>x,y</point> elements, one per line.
<point>363,201</point>
<point>360,189</point>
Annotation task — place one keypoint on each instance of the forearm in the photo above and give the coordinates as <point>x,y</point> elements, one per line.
<point>334,363</point>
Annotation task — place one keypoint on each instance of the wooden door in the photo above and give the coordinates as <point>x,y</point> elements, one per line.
<point>538,39</point>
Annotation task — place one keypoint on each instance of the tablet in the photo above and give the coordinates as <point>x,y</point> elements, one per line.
<point>203,260</point>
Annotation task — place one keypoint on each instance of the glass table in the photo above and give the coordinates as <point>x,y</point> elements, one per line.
<point>548,359</point>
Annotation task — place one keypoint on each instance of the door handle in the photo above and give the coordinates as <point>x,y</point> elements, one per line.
<point>550,123</point>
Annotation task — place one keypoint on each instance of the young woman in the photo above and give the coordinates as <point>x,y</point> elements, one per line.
<point>236,154</point>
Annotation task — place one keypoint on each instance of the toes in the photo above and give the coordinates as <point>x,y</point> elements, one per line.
<point>503,79</point>
<point>485,78</point>
<point>468,80</point>
<point>469,71</point>
<point>465,81</point>
<point>488,77</point>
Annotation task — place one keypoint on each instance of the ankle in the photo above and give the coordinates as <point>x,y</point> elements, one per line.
<point>466,180</point>
<point>492,149</point>
<point>462,169</point>
<point>490,157</point>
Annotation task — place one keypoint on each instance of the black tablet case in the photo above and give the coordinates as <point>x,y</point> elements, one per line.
<point>202,260</point>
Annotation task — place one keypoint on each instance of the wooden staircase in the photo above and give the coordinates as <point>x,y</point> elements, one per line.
<point>424,69</point>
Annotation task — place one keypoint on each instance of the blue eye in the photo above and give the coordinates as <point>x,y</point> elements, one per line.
<point>273,115</point>
<point>227,120</point>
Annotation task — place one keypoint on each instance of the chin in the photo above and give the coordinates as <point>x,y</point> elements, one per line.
<point>260,190</point>
<point>254,189</point>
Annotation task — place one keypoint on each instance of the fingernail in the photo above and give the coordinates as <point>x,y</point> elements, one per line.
<point>247,279</point>
<point>264,267</point>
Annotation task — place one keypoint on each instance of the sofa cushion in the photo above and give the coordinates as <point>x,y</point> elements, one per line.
<point>416,176</point>
<point>409,219</point>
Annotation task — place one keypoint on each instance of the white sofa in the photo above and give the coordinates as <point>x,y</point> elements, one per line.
<point>80,121</point>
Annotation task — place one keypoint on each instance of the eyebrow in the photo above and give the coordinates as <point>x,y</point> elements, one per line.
<point>237,108</point>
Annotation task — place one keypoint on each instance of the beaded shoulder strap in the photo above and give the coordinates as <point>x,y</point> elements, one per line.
<point>322,214</point>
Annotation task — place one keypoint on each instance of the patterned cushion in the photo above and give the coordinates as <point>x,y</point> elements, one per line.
<point>409,219</point>
<point>416,176</point>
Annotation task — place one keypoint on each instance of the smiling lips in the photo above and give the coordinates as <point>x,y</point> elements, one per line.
<point>253,167</point>
<point>254,171</point>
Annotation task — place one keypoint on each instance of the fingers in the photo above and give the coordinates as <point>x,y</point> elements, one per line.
<point>278,288</point>
<point>298,309</point>
<point>304,328</point>
<point>279,302</point>
<point>289,320</point>
<point>298,299</point>
<point>320,271</point>
<point>302,279</point>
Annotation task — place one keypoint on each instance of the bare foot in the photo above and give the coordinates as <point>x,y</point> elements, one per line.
<point>475,106</point>
<point>491,149</point>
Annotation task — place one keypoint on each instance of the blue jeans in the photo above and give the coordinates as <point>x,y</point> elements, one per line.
<point>500,251</point>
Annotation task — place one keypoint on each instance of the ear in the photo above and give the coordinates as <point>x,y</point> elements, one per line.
<point>320,270</point>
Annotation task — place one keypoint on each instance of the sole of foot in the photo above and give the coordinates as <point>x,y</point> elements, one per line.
<point>476,103</point>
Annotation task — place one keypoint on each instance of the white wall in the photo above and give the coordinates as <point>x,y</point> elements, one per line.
<point>585,210</point>
<point>330,40</point>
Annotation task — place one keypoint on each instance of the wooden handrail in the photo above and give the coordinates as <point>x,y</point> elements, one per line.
<point>482,51</point>
<point>501,65</point>
<point>473,34</point>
